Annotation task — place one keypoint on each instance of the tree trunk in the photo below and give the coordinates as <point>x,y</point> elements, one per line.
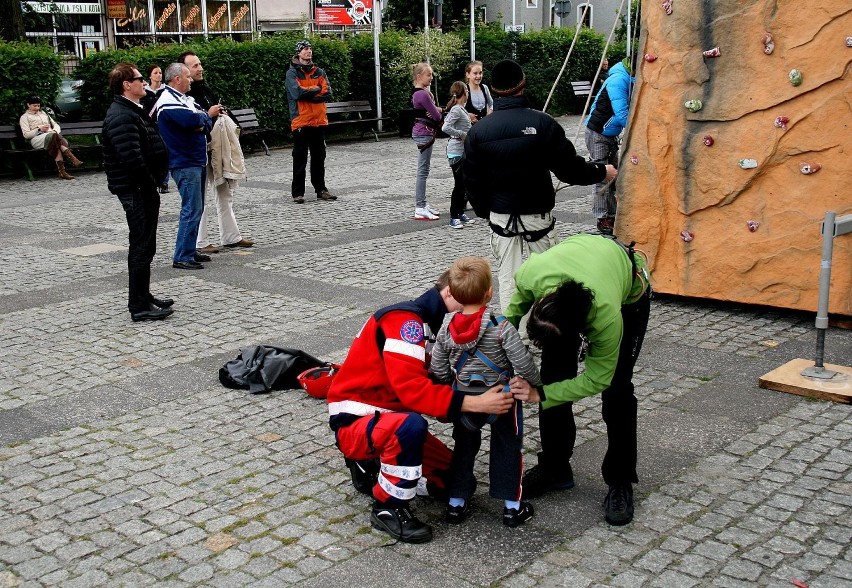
<point>12,27</point>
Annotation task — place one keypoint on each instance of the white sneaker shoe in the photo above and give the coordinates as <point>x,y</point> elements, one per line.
<point>432,210</point>
<point>424,214</point>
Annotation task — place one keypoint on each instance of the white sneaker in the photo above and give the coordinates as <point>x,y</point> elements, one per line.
<point>432,210</point>
<point>456,223</point>
<point>424,214</point>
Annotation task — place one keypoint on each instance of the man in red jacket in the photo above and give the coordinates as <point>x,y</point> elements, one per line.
<point>375,405</point>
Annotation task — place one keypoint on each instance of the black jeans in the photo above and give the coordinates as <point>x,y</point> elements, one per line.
<point>556,424</point>
<point>458,198</point>
<point>308,139</point>
<point>142,208</point>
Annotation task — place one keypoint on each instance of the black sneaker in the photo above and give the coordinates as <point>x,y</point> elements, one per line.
<point>618,505</point>
<point>365,473</point>
<point>512,517</point>
<point>538,481</point>
<point>298,199</point>
<point>400,524</point>
<point>457,514</point>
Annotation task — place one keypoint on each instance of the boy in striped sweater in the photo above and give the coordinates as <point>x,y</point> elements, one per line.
<point>474,350</point>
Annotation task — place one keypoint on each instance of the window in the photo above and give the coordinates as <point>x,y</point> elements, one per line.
<point>532,3</point>
<point>587,21</point>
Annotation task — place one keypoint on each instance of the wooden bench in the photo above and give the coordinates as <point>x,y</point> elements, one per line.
<point>14,146</point>
<point>250,128</point>
<point>581,88</point>
<point>357,108</point>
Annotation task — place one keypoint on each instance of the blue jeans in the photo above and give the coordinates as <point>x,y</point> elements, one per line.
<point>190,184</point>
<point>423,165</point>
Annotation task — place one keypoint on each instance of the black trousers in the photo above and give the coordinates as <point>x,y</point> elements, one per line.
<point>308,139</point>
<point>556,424</point>
<point>142,208</point>
<point>458,197</point>
<point>505,461</point>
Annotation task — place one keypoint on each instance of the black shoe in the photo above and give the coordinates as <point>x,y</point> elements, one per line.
<point>193,265</point>
<point>400,524</point>
<point>512,517</point>
<point>618,504</point>
<point>162,302</point>
<point>199,257</point>
<point>298,199</point>
<point>365,473</point>
<point>326,195</point>
<point>538,481</point>
<point>152,313</point>
<point>606,225</point>
<point>457,514</point>
<point>164,189</point>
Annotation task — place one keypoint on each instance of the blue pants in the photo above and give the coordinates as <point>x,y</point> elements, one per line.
<point>191,185</point>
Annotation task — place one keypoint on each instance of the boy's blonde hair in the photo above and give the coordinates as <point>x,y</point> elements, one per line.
<point>470,279</point>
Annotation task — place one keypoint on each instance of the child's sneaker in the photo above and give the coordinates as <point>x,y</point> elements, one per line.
<point>457,514</point>
<point>467,220</point>
<point>456,223</point>
<point>424,214</point>
<point>512,517</point>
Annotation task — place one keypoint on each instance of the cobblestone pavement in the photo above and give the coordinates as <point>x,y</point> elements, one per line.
<point>124,463</point>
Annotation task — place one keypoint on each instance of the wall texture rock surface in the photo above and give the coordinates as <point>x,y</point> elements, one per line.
<point>681,184</point>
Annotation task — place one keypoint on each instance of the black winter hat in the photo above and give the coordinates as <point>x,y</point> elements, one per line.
<point>507,78</point>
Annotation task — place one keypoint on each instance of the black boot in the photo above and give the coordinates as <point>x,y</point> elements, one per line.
<point>364,472</point>
<point>399,523</point>
<point>618,504</point>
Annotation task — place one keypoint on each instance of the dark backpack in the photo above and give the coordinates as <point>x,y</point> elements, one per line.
<point>262,368</point>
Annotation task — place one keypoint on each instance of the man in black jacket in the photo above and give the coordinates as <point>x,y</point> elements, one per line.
<point>508,157</point>
<point>136,162</point>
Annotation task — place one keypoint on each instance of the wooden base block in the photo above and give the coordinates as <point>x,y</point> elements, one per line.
<point>789,378</point>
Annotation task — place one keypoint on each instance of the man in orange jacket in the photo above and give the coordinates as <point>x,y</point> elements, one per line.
<point>307,92</point>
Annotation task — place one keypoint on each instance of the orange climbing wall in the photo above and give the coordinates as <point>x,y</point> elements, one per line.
<point>679,184</point>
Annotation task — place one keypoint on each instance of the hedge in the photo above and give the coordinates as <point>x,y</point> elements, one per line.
<point>251,74</point>
<point>26,69</point>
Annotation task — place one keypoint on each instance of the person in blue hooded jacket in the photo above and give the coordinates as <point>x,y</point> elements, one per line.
<point>603,126</point>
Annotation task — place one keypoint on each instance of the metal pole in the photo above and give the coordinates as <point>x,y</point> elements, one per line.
<point>830,229</point>
<point>472,31</point>
<point>513,15</point>
<point>629,44</point>
<point>377,29</point>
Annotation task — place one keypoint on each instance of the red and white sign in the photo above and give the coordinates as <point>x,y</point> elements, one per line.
<point>344,12</point>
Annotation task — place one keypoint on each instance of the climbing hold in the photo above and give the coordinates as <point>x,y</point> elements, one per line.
<point>795,77</point>
<point>714,52</point>
<point>667,6</point>
<point>849,41</point>
<point>708,140</point>
<point>634,160</point>
<point>768,45</point>
<point>651,58</point>
<point>752,225</point>
<point>687,236</point>
<point>693,105</point>
<point>781,122</point>
<point>810,168</point>
<point>747,163</point>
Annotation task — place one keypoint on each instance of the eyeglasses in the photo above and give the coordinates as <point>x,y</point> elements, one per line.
<point>137,79</point>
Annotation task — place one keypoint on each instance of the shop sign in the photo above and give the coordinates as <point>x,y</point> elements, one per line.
<point>238,16</point>
<point>66,7</point>
<point>344,12</point>
<point>167,12</point>
<point>116,9</point>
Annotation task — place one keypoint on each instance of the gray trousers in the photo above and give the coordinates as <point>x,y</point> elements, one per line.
<point>604,150</point>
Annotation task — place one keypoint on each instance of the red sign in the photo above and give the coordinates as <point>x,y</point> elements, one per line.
<point>116,9</point>
<point>344,12</point>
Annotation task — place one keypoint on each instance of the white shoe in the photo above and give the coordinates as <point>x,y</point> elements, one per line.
<point>432,210</point>
<point>424,214</point>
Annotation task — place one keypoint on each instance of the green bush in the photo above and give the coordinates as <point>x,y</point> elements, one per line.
<point>26,69</point>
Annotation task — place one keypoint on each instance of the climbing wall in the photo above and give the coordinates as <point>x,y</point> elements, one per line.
<point>740,140</point>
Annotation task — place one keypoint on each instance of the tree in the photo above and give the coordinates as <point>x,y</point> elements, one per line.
<point>408,14</point>
<point>11,27</point>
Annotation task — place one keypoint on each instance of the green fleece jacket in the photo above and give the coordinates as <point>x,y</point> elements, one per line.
<point>602,266</point>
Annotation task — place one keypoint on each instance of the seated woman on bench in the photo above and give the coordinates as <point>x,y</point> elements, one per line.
<point>44,133</point>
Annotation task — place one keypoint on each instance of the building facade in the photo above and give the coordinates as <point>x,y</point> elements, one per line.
<point>531,15</point>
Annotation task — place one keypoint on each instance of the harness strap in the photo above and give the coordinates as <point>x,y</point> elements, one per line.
<point>370,426</point>
<point>511,229</point>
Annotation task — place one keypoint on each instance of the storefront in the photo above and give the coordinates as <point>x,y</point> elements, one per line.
<point>73,28</point>
<point>173,21</point>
